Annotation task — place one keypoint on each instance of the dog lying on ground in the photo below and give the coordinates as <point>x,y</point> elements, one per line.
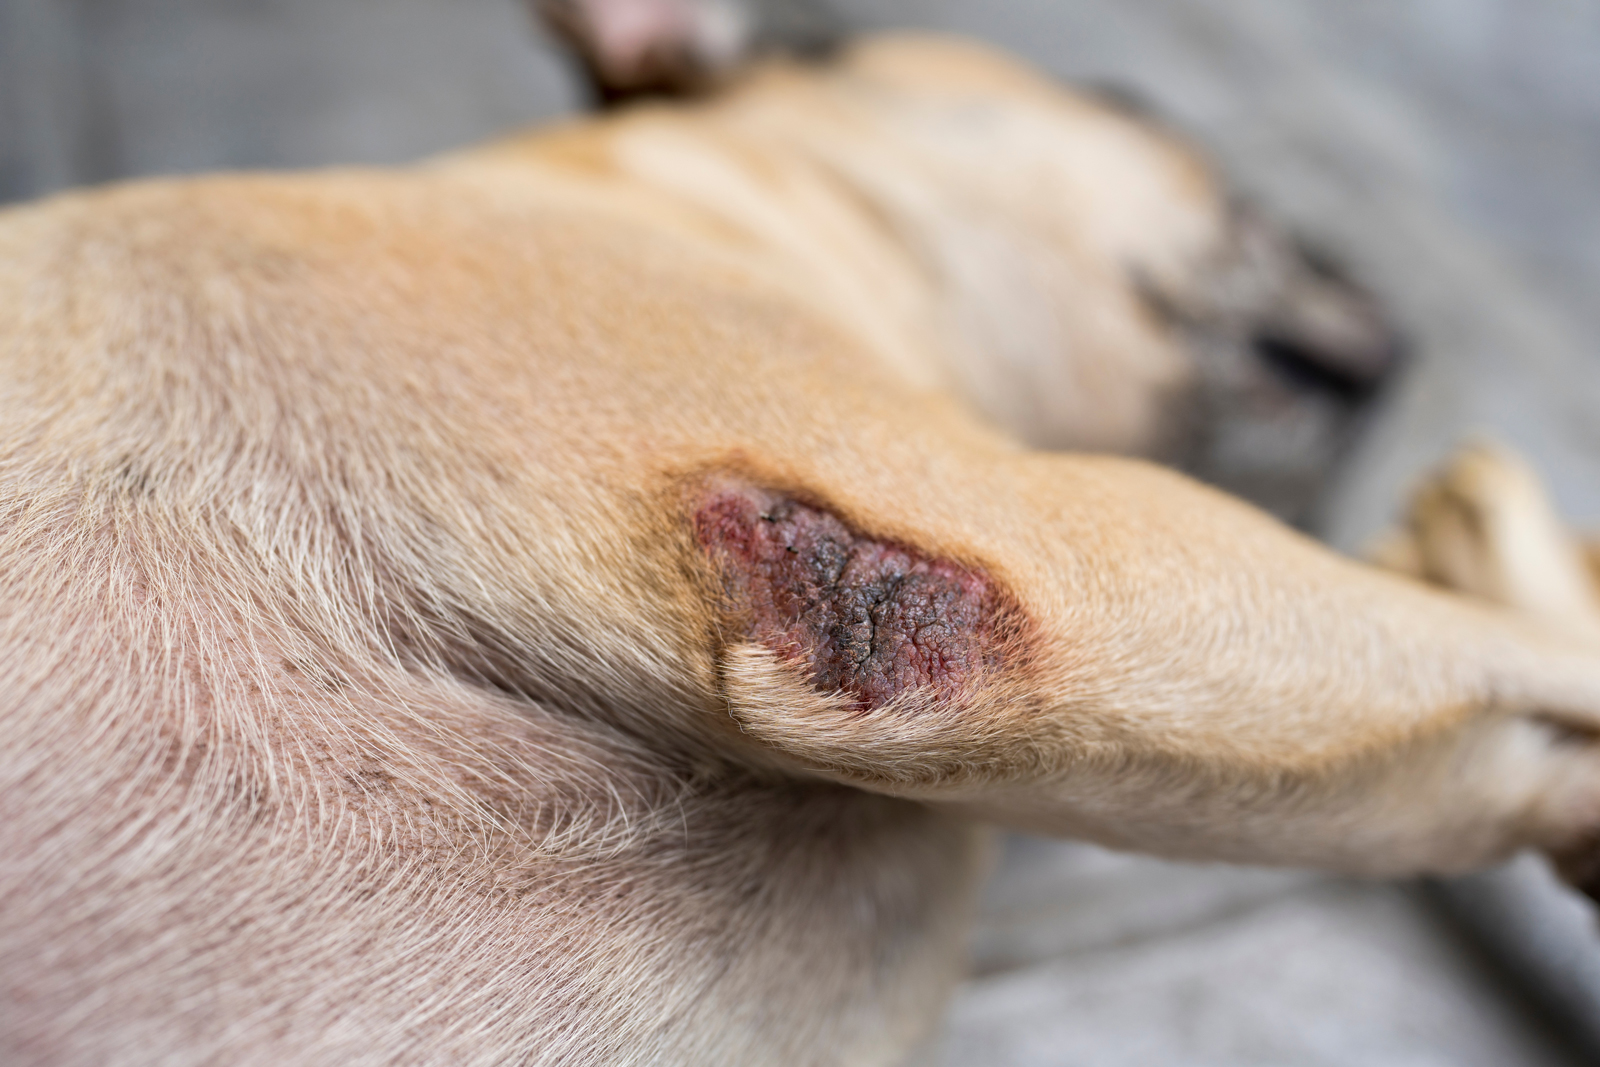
<point>575,601</point>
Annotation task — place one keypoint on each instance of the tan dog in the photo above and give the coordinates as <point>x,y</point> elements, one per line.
<point>565,604</point>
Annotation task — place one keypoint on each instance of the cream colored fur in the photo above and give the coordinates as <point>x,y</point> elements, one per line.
<point>364,695</point>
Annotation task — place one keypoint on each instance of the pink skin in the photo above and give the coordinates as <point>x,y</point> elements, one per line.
<point>870,618</point>
<point>634,45</point>
<point>625,31</point>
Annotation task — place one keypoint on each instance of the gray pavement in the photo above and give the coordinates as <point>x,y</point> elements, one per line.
<point>1448,149</point>
<point>1207,967</point>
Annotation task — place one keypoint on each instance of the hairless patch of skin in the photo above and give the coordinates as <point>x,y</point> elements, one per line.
<point>866,617</point>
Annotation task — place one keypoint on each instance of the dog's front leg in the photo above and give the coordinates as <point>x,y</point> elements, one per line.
<point>1146,663</point>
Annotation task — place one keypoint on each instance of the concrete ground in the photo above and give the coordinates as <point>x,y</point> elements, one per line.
<point>1447,149</point>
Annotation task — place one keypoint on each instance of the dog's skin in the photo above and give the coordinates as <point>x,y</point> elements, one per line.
<point>568,602</point>
<point>638,48</point>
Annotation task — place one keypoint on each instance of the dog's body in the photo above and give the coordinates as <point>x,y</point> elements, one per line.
<point>564,604</point>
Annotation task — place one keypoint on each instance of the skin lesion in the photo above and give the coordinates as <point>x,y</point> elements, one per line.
<point>865,617</point>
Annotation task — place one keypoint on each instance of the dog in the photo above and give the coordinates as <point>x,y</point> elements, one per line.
<point>580,600</point>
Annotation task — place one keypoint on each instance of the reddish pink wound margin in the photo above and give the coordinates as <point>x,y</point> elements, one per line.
<point>866,617</point>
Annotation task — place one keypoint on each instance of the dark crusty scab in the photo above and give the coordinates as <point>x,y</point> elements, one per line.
<point>866,617</point>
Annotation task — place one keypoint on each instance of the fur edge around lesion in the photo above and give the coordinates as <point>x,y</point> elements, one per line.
<point>919,739</point>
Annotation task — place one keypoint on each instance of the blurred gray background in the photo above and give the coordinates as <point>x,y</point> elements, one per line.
<point>1447,150</point>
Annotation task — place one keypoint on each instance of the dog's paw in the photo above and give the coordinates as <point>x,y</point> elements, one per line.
<point>672,47</point>
<point>1485,526</point>
<point>638,46</point>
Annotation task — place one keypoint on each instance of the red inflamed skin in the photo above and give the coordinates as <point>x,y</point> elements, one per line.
<point>867,617</point>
